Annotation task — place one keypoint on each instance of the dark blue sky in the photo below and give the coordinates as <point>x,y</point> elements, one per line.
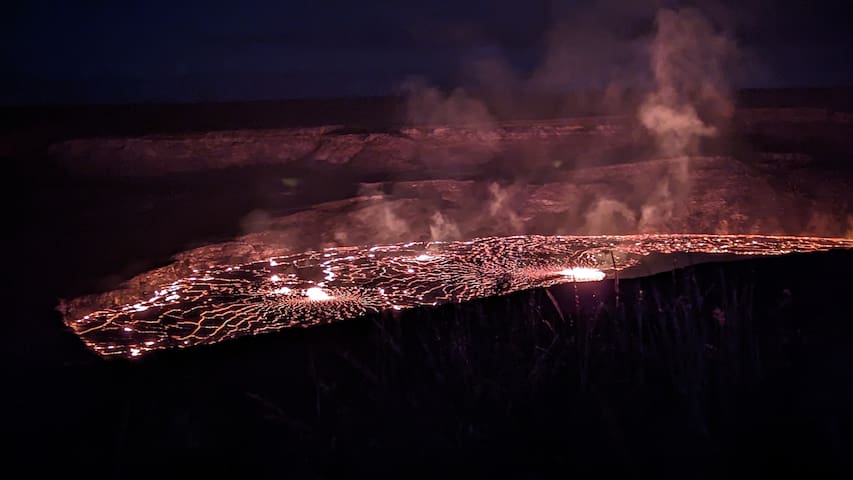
<point>129,51</point>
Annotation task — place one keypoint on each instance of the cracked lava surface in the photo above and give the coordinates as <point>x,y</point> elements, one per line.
<point>301,290</point>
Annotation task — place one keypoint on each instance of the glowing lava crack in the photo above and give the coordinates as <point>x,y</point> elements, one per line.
<point>311,288</point>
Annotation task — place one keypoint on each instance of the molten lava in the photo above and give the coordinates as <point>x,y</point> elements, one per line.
<point>300,290</point>
<point>583,274</point>
<point>317,294</point>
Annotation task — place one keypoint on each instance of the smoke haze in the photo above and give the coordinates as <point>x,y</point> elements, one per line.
<point>669,73</point>
<point>657,86</point>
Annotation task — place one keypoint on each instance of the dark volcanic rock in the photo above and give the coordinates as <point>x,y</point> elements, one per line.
<point>411,149</point>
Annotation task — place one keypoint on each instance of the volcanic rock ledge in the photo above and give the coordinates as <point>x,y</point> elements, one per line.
<point>393,151</point>
<point>438,150</point>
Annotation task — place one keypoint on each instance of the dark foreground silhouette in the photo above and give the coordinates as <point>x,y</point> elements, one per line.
<point>718,369</point>
<point>737,369</point>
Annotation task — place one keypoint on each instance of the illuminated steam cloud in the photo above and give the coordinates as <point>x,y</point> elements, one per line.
<point>316,287</point>
<point>692,94</point>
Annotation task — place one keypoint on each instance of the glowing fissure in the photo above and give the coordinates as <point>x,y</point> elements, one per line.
<point>223,302</point>
<point>583,274</point>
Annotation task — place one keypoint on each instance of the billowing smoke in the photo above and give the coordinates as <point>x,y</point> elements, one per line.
<point>442,228</point>
<point>658,209</point>
<point>667,69</point>
<point>828,223</point>
<point>256,221</point>
<point>502,211</point>
<point>427,105</point>
<point>609,216</point>
<point>691,98</point>
<point>379,221</point>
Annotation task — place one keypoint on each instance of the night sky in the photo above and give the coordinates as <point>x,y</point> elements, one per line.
<point>95,51</point>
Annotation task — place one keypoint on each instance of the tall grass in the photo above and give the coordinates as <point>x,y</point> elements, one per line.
<point>559,365</point>
<point>690,371</point>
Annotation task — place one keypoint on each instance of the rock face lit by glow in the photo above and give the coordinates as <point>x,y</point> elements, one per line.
<point>583,274</point>
<point>220,302</point>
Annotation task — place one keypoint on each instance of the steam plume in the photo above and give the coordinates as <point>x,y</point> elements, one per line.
<point>691,98</point>
<point>427,105</point>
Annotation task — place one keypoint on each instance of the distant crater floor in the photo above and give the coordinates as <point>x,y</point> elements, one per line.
<point>774,171</point>
<point>325,194</point>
